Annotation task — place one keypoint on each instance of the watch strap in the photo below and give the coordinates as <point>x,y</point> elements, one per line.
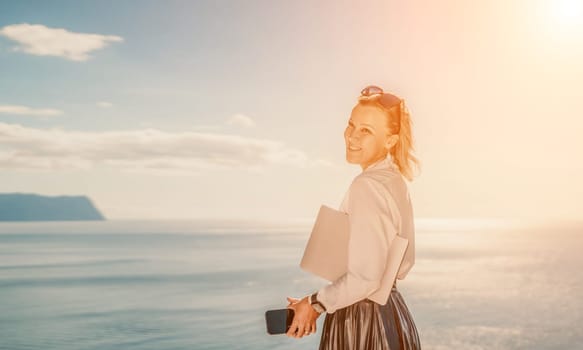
<point>318,306</point>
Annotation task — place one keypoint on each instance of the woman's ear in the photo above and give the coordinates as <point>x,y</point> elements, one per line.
<point>391,141</point>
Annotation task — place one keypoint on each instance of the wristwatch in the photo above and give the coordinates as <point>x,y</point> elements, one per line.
<point>318,306</point>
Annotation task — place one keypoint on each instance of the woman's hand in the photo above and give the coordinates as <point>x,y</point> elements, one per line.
<point>304,322</point>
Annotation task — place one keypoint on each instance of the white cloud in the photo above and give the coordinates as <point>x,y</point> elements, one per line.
<point>24,110</point>
<point>37,39</point>
<point>156,150</point>
<point>104,104</point>
<point>206,127</point>
<point>241,120</point>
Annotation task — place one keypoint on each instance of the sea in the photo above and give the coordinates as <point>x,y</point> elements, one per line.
<point>179,284</point>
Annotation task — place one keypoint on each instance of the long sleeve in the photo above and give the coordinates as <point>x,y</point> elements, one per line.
<point>367,248</point>
<point>407,231</point>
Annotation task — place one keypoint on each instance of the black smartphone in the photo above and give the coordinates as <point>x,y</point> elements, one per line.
<point>278,321</point>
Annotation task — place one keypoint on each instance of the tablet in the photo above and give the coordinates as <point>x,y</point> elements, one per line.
<point>326,252</point>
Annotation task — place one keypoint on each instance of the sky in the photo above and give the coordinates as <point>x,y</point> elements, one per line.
<point>236,109</point>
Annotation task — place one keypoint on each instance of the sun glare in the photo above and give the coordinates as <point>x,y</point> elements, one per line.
<point>567,14</point>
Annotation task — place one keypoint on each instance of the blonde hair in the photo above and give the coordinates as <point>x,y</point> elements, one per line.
<point>399,122</point>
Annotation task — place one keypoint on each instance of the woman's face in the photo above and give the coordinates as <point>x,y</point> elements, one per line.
<point>367,136</point>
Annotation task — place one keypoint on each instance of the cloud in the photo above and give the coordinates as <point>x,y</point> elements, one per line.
<point>36,39</point>
<point>241,120</point>
<point>24,110</point>
<point>104,104</point>
<point>144,149</point>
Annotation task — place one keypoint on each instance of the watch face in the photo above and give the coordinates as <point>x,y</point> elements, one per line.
<point>317,307</point>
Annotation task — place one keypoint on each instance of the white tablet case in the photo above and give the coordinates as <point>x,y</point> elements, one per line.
<point>326,253</point>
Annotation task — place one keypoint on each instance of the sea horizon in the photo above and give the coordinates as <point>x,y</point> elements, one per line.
<point>172,284</point>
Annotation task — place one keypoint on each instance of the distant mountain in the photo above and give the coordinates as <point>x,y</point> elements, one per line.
<point>34,207</point>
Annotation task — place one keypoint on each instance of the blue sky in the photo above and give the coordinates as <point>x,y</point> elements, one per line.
<point>235,109</point>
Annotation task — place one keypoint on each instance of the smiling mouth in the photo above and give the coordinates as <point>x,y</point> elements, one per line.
<point>352,148</point>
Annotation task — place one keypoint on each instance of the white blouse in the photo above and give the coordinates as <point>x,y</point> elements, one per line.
<point>378,205</point>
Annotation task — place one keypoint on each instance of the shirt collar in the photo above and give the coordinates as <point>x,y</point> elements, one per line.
<point>383,163</point>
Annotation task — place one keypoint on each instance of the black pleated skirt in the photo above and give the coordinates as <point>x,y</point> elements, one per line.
<point>368,325</point>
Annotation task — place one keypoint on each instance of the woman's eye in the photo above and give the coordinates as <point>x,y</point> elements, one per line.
<point>365,130</point>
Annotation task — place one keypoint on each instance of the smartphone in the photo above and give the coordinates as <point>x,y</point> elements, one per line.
<point>278,321</point>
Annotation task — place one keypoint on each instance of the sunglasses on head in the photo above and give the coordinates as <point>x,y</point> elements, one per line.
<point>386,100</point>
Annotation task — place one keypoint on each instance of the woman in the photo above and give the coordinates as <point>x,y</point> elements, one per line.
<point>378,138</point>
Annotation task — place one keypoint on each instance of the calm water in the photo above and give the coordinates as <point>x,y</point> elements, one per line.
<point>186,285</point>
